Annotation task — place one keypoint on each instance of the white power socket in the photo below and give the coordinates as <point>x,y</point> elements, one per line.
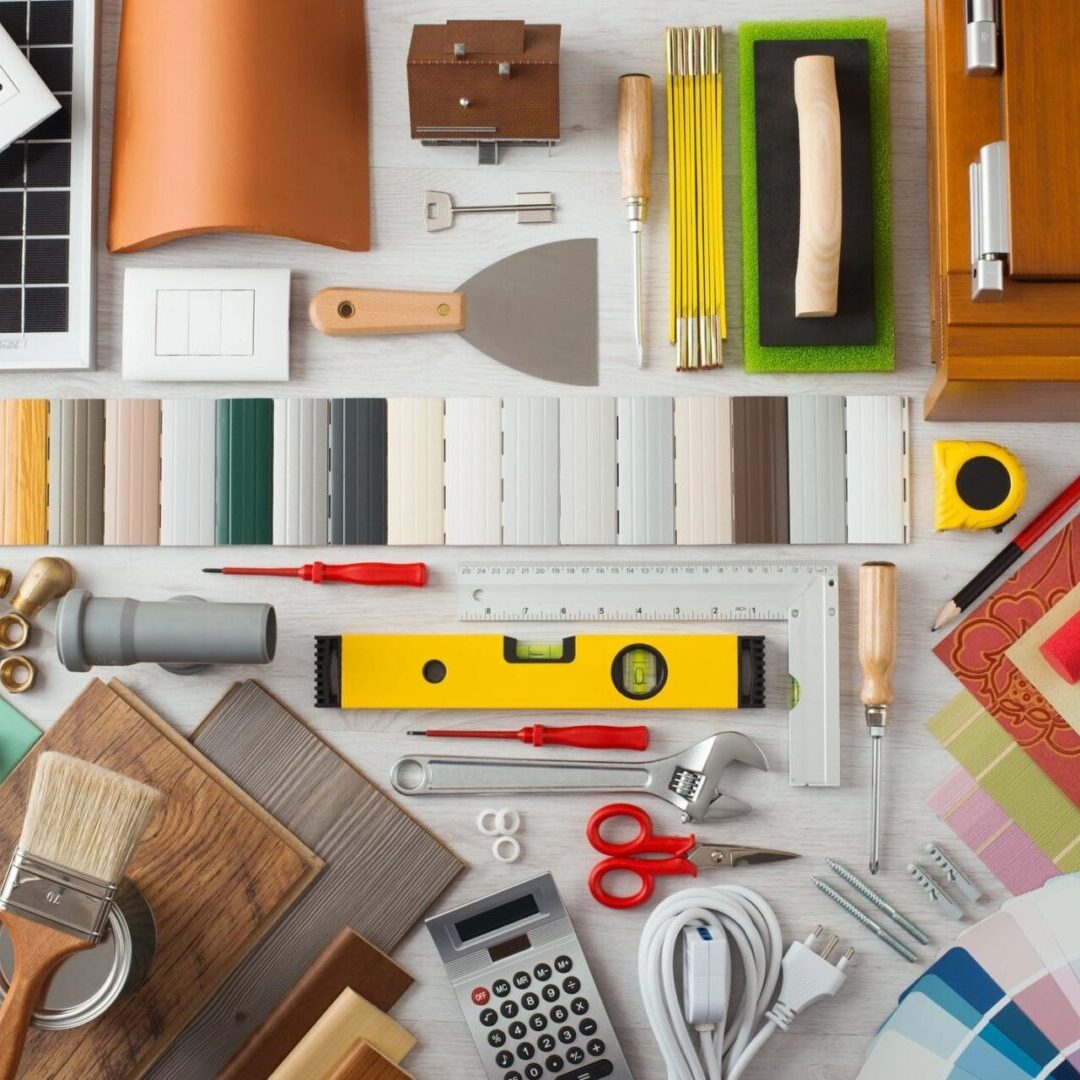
<point>25,100</point>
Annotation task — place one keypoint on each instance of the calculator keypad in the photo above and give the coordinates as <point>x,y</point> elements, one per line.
<point>548,1032</point>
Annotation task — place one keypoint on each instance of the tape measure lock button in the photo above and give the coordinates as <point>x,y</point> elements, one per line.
<point>639,672</point>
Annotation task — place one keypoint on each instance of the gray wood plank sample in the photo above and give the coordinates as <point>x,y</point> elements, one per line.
<point>383,869</point>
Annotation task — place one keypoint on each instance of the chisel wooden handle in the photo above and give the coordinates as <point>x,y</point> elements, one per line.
<point>635,135</point>
<point>877,631</point>
<point>37,951</point>
<point>817,277</point>
<point>386,311</point>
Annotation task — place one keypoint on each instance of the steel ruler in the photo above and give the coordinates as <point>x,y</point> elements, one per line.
<point>804,595</point>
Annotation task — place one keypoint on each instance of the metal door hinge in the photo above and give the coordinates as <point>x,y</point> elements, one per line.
<point>982,37</point>
<point>990,244</point>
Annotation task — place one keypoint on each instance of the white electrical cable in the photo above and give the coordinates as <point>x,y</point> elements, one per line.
<point>753,933</point>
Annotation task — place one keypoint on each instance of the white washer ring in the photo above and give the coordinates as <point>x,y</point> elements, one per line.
<point>483,816</point>
<point>507,822</point>
<point>511,842</point>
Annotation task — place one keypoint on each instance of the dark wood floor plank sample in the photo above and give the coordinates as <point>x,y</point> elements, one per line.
<point>383,869</point>
<point>216,870</point>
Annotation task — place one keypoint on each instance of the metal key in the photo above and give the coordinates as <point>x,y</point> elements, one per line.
<point>531,208</point>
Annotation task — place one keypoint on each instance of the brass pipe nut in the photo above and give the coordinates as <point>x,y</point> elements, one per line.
<point>17,674</point>
<point>5,582</point>
<point>14,631</point>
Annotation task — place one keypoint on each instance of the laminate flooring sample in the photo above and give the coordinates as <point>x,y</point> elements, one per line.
<point>383,869</point>
<point>216,870</point>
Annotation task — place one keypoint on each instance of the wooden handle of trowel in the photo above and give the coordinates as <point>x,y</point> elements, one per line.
<point>817,277</point>
<point>386,311</point>
<point>877,631</point>
<point>635,135</point>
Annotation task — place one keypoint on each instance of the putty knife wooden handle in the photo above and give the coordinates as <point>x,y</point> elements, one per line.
<point>817,277</point>
<point>877,631</point>
<point>386,311</point>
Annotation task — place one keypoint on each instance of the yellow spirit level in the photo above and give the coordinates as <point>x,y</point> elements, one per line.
<point>979,485</point>
<point>588,671</point>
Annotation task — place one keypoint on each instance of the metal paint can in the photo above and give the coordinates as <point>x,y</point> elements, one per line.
<point>88,983</point>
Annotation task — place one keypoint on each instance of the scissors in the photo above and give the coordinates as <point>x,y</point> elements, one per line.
<point>687,855</point>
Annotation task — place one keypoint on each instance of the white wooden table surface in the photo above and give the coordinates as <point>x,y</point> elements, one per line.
<point>600,41</point>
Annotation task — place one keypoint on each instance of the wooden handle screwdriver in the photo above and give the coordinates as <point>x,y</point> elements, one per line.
<point>877,657</point>
<point>635,160</point>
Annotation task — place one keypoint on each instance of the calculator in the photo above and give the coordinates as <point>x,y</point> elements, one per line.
<point>525,988</point>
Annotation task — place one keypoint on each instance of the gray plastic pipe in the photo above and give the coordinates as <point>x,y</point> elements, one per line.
<point>117,631</point>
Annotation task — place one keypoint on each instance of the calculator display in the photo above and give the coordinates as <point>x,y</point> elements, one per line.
<point>496,918</point>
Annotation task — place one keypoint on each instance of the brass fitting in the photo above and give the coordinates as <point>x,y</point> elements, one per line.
<point>46,580</point>
<point>5,582</point>
<point>14,631</point>
<point>17,674</point>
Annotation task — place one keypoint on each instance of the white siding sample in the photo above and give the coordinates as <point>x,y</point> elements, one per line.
<point>877,470</point>
<point>473,471</point>
<point>587,470</point>
<point>301,471</point>
<point>703,509</point>
<point>646,470</point>
<point>816,470</point>
<point>530,470</point>
<point>414,471</point>
<point>188,471</point>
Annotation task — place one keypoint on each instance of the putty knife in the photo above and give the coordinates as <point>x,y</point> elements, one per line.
<point>535,311</point>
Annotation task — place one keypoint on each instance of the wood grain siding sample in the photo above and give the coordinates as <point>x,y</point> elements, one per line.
<point>473,471</point>
<point>301,471</point>
<point>188,471</point>
<point>363,1062</point>
<point>132,471</point>
<point>1041,44</point>
<point>760,457</point>
<point>645,455</point>
<point>703,510</point>
<point>245,470</point>
<point>24,509</point>
<point>358,471</point>
<point>76,472</point>
<point>383,869</point>
<point>414,471</point>
<point>348,1019</point>
<point>349,960</point>
<point>530,471</point>
<point>587,471</point>
<point>215,868</point>
<point>816,479</point>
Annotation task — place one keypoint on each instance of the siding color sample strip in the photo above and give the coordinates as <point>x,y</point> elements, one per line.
<point>587,470</point>
<point>530,470</point>
<point>473,471</point>
<point>76,472</point>
<point>358,471</point>
<point>816,470</point>
<point>132,471</point>
<point>760,452</point>
<point>703,511</point>
<point>301,471</point>
<point>188,471</point>
<point>877,470</point>
<point>245,470</point>
<point>645,453</point>
<point>414,471</point>
<point>25,506</point>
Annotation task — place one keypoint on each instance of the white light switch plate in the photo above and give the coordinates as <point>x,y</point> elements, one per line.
<point>25,100</point>
<point>206,325</point>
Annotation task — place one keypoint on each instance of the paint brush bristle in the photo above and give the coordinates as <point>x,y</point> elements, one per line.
<point>85,818</point>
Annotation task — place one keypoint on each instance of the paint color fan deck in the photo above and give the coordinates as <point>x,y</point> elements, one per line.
<point>459,471</point>
<point>1002,1002</point>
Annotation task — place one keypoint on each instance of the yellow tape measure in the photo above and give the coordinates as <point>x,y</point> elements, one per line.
<point>979,485</point>
<point>587,671</point>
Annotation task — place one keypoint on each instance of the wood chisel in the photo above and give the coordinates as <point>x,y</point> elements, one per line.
<point>877,656</point>
<point>635,160</point>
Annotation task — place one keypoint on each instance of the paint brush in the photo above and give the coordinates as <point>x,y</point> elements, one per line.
<point>82,826</point>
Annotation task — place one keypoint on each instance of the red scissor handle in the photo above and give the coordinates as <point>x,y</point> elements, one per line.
<point>647,870</point>
<point>645,843</point>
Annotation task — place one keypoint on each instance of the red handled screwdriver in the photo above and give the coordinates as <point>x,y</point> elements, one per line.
<point>357,573</point>
<point>584,736</point>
